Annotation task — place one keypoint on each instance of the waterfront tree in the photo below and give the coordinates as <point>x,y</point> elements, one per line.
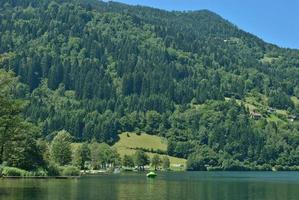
<point>61,152</point>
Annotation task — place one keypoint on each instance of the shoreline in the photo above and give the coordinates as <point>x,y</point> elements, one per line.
<point>40,177</point>
<point>107,173</point>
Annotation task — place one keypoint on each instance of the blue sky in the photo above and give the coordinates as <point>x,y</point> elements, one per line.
<point>275,21</point>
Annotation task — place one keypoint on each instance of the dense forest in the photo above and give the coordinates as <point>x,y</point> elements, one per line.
<point>86,70</point>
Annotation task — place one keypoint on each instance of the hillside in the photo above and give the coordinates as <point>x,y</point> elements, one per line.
<point>99,69</point>
<point>257,103</point>
<point>130,142</point>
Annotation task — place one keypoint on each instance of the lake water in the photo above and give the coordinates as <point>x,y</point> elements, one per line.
<point>172,186</point>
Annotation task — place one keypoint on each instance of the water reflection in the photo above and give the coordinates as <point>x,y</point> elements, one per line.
<point>172,186</point>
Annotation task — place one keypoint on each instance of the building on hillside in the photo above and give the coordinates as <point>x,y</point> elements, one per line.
<point>271,110</point>
<point>292,118</point>
<point>255,115</point>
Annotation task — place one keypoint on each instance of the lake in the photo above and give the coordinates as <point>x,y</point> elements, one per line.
<point>172,186</point>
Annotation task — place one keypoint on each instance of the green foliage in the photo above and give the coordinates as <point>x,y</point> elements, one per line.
<point>61,152</point>
<point>18,145</point>
<point>141,159</point>
<point>128,161</point>
<point>40,172</point>
<point>112,71</point>
<point>296,92</point>
<point>202,159</point>
<point>279,99</point>
<point>53,169</point>
<point>70,171</point>
<point>81,155</point>
<point>95,154</point>
<point>156,161</point>
<point>102,155</point>
<point>44,148</point>
<point>231,165</point>
<point>13,171</point>
<point>165,163</point>
<point>153,120</point>
<point>96,69</point>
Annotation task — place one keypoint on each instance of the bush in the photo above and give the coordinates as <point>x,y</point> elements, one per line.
<point>264,167</point>
<point>53,170</point>
<point>294,168</point>
<point>201,159</point>
<point>234,165</point>
<point>286,168</point>
<point>13,171</point>
<point>138,133</point>
<point>70,171</point>
<point>40,172</point>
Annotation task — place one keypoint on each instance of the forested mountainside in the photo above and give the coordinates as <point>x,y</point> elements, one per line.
<point>222,97</point>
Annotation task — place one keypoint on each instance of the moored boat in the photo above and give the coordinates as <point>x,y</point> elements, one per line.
<point>151,175</point>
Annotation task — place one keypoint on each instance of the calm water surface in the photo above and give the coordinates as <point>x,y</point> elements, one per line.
<point>172,186</point>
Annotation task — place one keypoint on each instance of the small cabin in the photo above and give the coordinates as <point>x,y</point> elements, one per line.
<point>292,118</point>
<point>255,115</point>
<point>271,110</point>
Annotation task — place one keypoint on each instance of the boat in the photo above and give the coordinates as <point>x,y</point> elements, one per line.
<point>151,175</point>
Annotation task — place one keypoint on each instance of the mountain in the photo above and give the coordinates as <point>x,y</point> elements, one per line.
<point>221,96</point>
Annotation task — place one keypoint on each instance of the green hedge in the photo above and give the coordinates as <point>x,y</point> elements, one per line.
<point>52,170</point>
<point>70,171</point>
<point>13,171</point>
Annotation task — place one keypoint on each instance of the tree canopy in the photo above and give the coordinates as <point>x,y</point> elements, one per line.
<point>96,69</point>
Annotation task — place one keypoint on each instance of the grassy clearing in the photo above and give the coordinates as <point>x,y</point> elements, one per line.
<point>129,141</point>
<point>269,59</point>
<point>132,140</point>
<point>258,103</point>
<point>274,118</point>
<point>256,99</point>
<point>250,106</point>
<point>282,112</point>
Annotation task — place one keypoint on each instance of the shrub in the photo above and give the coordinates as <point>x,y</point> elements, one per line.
<point>294,168</point>
<point>234,165</point>
<point>40,172</point>
<point>13,171</point>
<point>264,167</point>
<point>53,170</point>
<point>138,133</point>
<point>70,171</point>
